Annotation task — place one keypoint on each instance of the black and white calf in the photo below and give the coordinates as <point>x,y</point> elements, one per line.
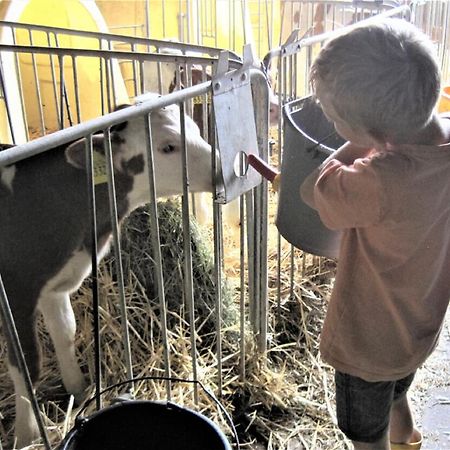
<point>44,232</point>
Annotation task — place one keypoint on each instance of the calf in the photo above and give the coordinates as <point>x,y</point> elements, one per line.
<point>45,232</point>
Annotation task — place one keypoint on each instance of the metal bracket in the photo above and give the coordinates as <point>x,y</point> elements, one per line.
<point>235,125</point>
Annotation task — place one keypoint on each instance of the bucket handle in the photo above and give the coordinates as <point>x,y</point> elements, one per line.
<point>171,379</point>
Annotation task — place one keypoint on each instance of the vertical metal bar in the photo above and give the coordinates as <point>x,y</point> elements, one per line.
<point>309,59</point>
<point>8,323</point>
<point>199,20</point>
<point>333,15</point>
<point>64,98</point>
<point>284,75</point>
<point>253,303</point>
<point>218,259</point>
<point>218,254</point>
<point>292,16</point>
<point>281,100</point>
<point>117,253</point>
<point>263,277</point>
<point>188,82</point>
<point>160,79</point>
<point>243,290</point>
<point>61,90</point>
<point>232,25</point>
<point>295,71</point>
<point>188,286</point>
<point>108,83</point>
<point>259,26</point>
<point>102,62</point>
<point>261,213</point>
<point>269,23</point>
<point>180,22</point>
<point>244,21</point>
<point>7,105</point>
<point>280,37</point>
<point>205,103</point>
<point>256,254</point>
<point>202,14</point>
<point>94,276</point>
<point>38,86</point>
<point>134,63</point>
<point>154,231</point>
<point>76,88</point>
<point>147,18</point>
<point>55,86</point>
<point>188,21</point>
<point>141,77</point>
<point>113,82</point>
<point>20,84</point>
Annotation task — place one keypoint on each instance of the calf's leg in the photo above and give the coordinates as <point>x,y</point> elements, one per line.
<point>60,322</point>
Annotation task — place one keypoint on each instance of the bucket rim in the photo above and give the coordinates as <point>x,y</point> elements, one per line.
<point>297,104</point>
<point>163,404</point>
<point>174,411</point>
<point>210,394</point>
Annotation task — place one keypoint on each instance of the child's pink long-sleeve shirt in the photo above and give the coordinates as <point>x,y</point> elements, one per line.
<point>393,281</point>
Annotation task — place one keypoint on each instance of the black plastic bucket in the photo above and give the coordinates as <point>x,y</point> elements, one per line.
<point>145,425</point>
<point>305,126</point>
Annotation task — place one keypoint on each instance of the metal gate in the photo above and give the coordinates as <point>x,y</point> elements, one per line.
<point>269,276</point>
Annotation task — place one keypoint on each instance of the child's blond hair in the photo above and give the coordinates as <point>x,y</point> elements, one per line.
<point>382,76</point>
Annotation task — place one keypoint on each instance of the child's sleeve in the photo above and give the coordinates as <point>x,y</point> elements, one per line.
<point>348,196</point>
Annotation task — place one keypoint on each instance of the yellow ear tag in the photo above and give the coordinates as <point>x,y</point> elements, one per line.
<point>100,175</point>
<point>199,99</point>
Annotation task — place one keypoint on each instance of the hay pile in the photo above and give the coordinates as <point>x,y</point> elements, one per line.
<point>285,400</point>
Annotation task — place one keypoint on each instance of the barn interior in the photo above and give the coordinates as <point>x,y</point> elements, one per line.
<point>223,314</point>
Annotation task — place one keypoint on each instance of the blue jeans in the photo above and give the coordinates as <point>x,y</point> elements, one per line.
<point>363,408</point>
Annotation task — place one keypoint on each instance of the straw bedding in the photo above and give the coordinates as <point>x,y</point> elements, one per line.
<point>285,400</point>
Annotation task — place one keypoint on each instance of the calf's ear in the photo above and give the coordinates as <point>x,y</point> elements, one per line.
<point>76,154</point>
<point>119,126</point>
<point>76,151</point>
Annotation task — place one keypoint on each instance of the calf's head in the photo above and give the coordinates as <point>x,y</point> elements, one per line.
<point>129,148</point>
<point>129,141</point>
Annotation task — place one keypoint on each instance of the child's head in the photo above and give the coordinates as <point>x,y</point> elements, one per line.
<point>382,78</point>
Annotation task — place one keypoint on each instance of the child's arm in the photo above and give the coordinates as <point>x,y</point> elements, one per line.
<point>346,154</point>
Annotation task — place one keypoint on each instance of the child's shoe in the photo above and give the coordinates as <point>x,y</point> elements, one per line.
<point>410,446</point>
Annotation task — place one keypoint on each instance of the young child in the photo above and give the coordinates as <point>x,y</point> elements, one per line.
<point>388,189</point>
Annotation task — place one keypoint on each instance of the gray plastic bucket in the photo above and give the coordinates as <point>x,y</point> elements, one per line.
<point>145,425</point>
<point>304,126</point>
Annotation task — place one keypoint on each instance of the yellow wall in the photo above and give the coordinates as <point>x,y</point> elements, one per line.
<point>70,14</point>
<point>119,14</point>
<point>217,23</point>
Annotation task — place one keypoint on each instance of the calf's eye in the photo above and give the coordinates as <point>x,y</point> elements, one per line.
<point>168,148</point>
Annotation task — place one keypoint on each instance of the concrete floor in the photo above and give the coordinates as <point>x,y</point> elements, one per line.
<point>436,421</point>
<point>430,395</point>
